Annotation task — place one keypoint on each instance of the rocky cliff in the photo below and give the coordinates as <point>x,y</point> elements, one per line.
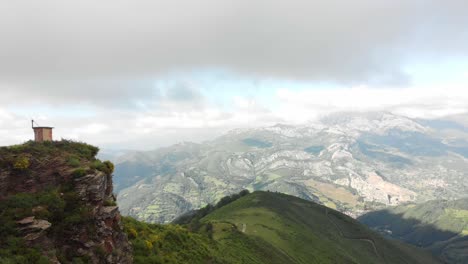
<point>57,206</point>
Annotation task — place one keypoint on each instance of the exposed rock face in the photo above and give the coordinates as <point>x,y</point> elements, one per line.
<point>96,190</point>
<point>33,229</point>
<point>94,232</point>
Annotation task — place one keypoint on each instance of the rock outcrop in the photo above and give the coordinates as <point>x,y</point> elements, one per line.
<point>81,220</point>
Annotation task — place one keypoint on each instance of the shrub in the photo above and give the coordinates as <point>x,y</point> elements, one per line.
<point>148,244</point>
<point>97,165</point>
<point>110,202</point>
<point>80,172</point>
<point>244,193</point>
<point>132,233</point>
<point>81,149</point>
<point>73,161</point>
<point>21,163</point>
<point>47,205</point>
<point>109,167</point>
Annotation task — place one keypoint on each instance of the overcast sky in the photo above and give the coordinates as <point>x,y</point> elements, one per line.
<point>142,74</point>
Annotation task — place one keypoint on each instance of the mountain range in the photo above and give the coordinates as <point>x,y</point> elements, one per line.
<point>352,162</point>
<point>57,206</point>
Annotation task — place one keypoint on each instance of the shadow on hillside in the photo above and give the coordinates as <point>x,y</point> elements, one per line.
<point>443,243</point>
<point>409,230</point>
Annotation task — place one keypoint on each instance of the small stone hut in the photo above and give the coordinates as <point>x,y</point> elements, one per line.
<point>42,133</point>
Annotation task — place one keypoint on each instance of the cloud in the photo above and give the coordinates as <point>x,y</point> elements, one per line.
<point>194,118</point>
<point>12,128</point>
<point>86,92</point>
<point>182,92</point>
<point>421,102</point>
<point>115,72</point>
<point>358,42</point>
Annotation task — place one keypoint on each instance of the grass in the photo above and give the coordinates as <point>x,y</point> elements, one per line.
<point>292,225</point>
<point>73,161</point>
<point>261,227</point>
<point>458,213</point>
<point>79,149</point>
<point>265,227</point>
<point>154,243</point>
<point>30,158</point>
<point>283,233</point>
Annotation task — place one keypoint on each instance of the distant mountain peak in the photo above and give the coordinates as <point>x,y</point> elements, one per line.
<point>352,161</point>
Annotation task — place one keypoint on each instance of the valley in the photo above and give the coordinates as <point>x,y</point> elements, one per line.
<point>352,162</point>
<point>440,226</point>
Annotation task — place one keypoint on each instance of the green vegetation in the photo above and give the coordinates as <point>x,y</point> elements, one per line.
<point>24,158</point>
<point>107,167</point>
<point>81,150</point>
<point>21,163</point>
<point>60,206</point>
<point>153,243</point>
<point>259,227</point>
<point>78,173</point>
<point>192,219</point>
<point>290,224</point>
<point>110,202</point>
<point>264,227</point>
<point>73,161</point>
<point>214,168</point>
<point>440,226</point>
<point>49,167</point>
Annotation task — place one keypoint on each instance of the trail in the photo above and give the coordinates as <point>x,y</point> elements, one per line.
<point>370,241</point>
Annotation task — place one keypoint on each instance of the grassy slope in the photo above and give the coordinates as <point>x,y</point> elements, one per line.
<point>267,227</point>
<point>441,226</point>
<point>306,234</point>
<point>156,243</point>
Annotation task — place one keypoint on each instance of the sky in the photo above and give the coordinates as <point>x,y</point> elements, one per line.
<point>144,74</point>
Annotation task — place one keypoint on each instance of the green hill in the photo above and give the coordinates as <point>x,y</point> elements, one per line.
<point>266,227</point>
<point>440,226</point>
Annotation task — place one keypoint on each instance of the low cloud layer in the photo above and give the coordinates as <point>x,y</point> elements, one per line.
<point>415,102</point>
<point>191,116</point>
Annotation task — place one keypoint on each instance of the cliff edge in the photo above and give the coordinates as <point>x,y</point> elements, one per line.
<point>57,206</point>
